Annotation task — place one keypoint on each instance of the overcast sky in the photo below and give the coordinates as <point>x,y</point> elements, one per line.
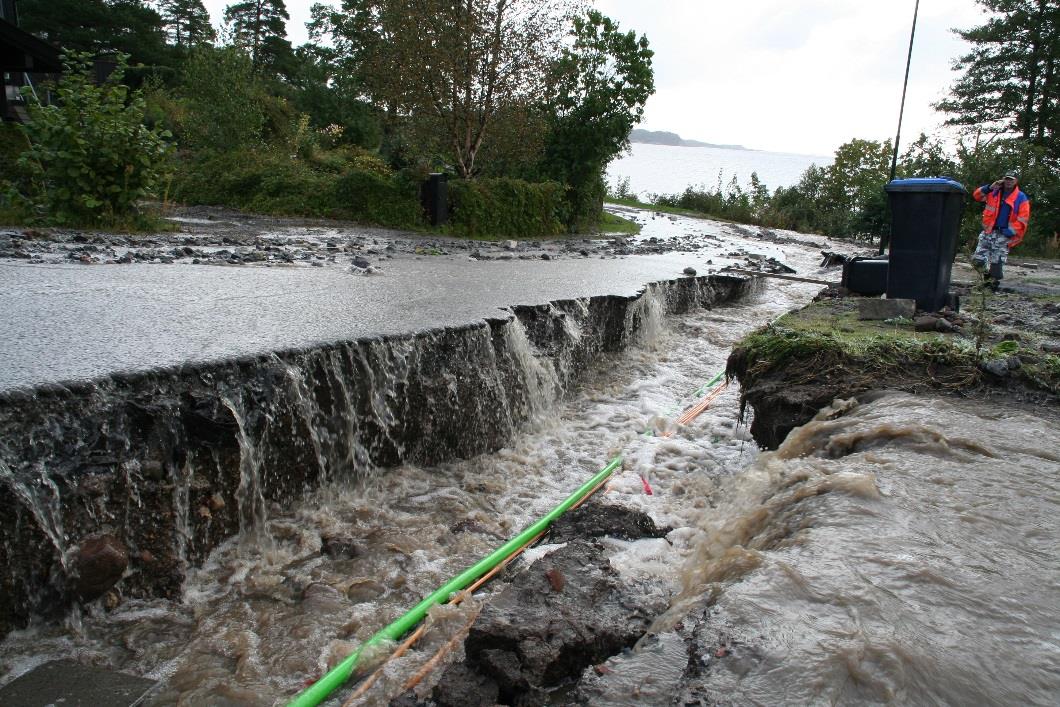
<point>785,75</point>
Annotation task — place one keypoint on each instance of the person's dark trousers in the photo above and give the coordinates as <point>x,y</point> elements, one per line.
<point>994,275</point>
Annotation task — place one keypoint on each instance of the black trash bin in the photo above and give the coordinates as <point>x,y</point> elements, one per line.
<point>865,276</point>
<point>925,221</point>
<point>434,195</point>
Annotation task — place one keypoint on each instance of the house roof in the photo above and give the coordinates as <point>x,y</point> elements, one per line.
<point>21,51</point>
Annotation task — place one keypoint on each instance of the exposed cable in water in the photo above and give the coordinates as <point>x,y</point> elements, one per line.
<point>337,676</point>
<point>370,680</point>
<point>475,576</point>
<point>437,657</point>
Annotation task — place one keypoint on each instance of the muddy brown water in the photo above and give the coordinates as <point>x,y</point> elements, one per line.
<point>902,552</point>
<point>899,550</point>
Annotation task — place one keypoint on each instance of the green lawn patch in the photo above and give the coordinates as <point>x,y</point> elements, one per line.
<point>662,209</point>
<point>610,223</point>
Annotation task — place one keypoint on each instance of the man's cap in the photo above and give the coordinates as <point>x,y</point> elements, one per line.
<point>1012,174</point>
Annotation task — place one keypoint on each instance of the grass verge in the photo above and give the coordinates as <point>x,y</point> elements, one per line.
<point>633,203</point>
<point>610,223</point>
<point>827,341</point>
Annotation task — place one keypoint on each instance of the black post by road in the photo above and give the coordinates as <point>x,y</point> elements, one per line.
<point>901,112</point>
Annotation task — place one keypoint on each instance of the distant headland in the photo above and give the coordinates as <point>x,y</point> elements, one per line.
<point>660,137</point>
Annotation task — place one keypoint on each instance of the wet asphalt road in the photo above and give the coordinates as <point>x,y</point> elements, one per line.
<point>69,322</point>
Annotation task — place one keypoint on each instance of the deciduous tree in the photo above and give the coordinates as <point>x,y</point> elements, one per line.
<point>224,96</point>
<point>599,88</point>
<point>452,65</point>
<point>318,87</point>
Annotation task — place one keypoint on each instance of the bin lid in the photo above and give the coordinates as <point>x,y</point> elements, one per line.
<point>926,184</point>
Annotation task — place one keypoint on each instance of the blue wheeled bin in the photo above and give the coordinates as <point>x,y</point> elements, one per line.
<point>925,222</point>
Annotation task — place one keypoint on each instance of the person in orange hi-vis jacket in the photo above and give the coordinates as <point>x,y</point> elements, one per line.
<point>1005,218</point>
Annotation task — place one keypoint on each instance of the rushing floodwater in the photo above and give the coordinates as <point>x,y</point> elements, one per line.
<point>665,169</point>
<point>903,551</point>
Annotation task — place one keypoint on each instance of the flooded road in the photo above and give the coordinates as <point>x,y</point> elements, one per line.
<point>164,311</point>
<point>902,551</point>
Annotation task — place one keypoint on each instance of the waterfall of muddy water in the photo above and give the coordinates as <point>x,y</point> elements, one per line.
<point>542,382</point>
<point>249,494</point>
<point>821,558</point>
<point>903,550</point>
<point>256,622</point>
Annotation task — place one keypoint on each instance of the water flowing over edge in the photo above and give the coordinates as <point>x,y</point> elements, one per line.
<point>157,468</point>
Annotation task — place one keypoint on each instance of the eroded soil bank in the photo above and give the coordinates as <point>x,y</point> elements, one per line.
<point>1001,348</point>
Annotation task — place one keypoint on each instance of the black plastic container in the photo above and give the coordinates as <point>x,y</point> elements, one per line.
<point>434,195</point>
<point>865,276</point>
<point>925,221</point>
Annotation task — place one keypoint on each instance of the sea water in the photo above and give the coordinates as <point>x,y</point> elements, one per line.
<point>668,169</point>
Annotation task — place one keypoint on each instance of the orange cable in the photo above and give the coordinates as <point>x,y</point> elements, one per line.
<point>697,409</point>
<point>400,651</point>
<point>370,680</point>
<point>433,662</point>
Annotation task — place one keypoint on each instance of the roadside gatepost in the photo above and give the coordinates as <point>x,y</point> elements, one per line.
<point>434,195</point>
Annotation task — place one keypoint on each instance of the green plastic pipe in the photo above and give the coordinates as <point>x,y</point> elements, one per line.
<point>337,676</point>
<point>699,391</point>
<point>712,381</point>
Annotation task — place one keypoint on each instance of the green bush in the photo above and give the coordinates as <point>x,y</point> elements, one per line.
<point>15,180</point>
<point>272,182</point>
<point>91,156</point>
<point>12,144</point>
<point>496,208</point>
<point>386,200</point>
<point>732,203</point>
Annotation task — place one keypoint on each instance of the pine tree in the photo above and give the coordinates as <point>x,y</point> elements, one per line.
<point>260,27</point>
<point>187,22</point>
<point>99,26</point>
<point>1009,78</point>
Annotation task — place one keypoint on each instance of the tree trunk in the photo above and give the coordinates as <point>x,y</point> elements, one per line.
<point>1045,106</point>
<point>1032,78</point>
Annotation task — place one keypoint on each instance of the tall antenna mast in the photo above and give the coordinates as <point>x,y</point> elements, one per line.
<point>901,111</point>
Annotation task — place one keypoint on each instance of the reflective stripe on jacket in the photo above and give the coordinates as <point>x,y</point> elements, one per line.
<point>1017,201</point>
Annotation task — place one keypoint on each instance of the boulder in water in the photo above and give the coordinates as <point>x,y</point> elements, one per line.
<point>567,611</point>
<point>338,547</point>
<point>594,520</point>
<point>100,563</point>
